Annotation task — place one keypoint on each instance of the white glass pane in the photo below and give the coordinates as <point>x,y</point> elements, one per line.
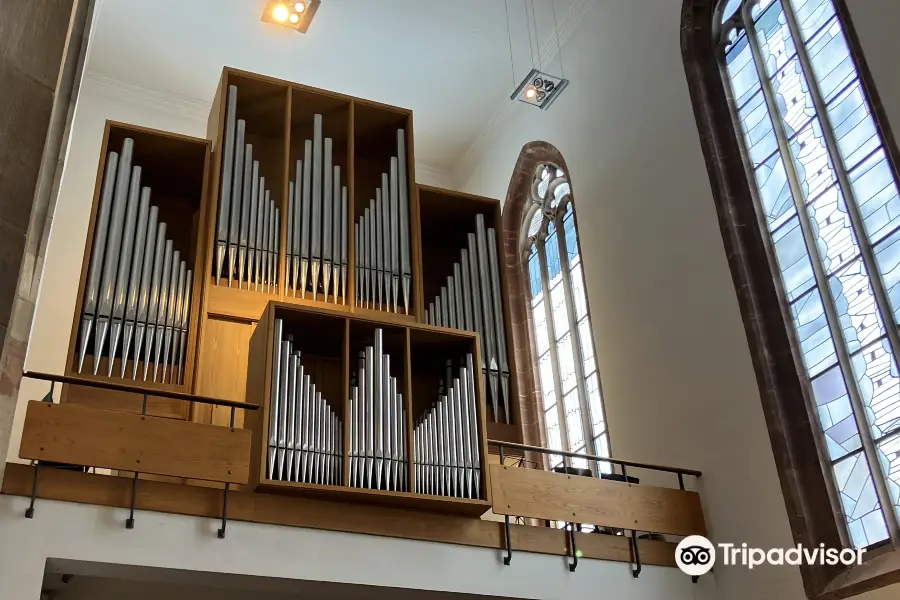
<point>573,419</point>
<point>541,334</point>
<point>566,356</point>
<point>587,346</point>
<point>580,463</point>
<point>548,387</point>
<point>554,440</point>
<point>579,296</point>
<point>601,448</point>
<point>595,405</point>
<point>560,310</point>
<point>879,386</point>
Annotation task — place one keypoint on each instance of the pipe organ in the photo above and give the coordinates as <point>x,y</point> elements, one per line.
<point>382,237</point>
<point>366,314</point>
<point>249,220</point>
<point>317,234</point>
<point>471,300</point>
<point>136,301</point>
<point>304,431</point>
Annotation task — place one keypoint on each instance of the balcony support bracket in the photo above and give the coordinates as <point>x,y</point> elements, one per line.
<point>221,531</point>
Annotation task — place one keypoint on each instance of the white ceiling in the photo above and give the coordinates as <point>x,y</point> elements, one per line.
<point>448,61</point>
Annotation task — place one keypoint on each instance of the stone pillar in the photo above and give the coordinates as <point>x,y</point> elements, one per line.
<point>34,38</point>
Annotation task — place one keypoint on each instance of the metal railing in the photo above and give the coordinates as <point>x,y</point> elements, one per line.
<point>597,460</point>
<point>145,392</point>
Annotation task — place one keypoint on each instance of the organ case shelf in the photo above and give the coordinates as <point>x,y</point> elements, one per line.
<point>446,220</point>
<point>174,169</point>
<point>417,359</point>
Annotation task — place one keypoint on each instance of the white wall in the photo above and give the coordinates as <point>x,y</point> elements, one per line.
<point>97,534</point>
<point>676,372</point>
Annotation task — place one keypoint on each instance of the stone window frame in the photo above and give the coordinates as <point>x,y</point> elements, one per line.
<point>516,207</point>
<point>792,430</point>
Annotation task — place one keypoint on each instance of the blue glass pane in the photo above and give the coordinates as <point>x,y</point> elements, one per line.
<point>551,247</point>
<point>816,344</point>
<point>742,71</point>
<point>534,273</point>
<point>757,126</point>
<point>835,413</point>
<point>812,15</point>
<point>853,126</point>
<point>859,501</point>
<point>774,191</point>
<point>793,259</point>
<point>887,255</point>
<point>831,61</point>
<point>571,237</point>
<point>730,8</point>
<point>876,195</point>
<point>889,451</point>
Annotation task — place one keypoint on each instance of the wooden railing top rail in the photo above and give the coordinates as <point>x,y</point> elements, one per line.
<point>138,389</point>
<point>591,457</point>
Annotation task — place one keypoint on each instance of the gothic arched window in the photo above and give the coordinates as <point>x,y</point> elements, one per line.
<point>826,195</point>
<point>570,396</point>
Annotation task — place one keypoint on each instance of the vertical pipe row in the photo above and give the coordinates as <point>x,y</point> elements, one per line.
<point>317,228</point>
<point>471,301</point>
<point>378,454</point>
<point>447,458</point>
<point>305,434</point>
<point>383,255</point>
<point>138,292</point>
<point>248,224</point>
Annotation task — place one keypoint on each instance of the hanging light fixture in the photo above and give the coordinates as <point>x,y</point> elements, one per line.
<point>538,88</point>
<point>297,14</point>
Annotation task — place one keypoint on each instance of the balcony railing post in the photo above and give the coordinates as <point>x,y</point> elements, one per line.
<point>506,537</point>
<point>221,532</point>
<point>29,512</point>
<point>570,527</point>
<point>129,522</point>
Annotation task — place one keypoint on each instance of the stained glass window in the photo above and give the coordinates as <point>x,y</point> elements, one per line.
<point>572,402</point>
<point>828,199</point>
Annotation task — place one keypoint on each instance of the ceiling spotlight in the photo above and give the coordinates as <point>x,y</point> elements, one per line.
<point>296,15</point>
<point>281,12</point>
<point>539,89</point>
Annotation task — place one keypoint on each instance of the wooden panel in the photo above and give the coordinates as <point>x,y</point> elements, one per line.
<point>78,435</point>
<point>418,502</point>
<point>123,401</point>
<point>545,495</point>
<point>276,509</point>
<point>222,373</point>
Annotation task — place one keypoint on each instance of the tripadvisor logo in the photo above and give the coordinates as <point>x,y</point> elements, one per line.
<point>696,555</point>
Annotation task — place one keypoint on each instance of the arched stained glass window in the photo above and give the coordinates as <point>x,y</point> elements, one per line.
<point>826,195</point>
<point>571,399</point>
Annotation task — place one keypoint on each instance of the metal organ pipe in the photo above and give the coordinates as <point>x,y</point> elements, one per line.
<point>130,294</point>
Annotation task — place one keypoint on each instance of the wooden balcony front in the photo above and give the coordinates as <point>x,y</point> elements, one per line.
<point>189,468</point>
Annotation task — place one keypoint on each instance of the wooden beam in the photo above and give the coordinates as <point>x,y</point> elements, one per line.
<point>101,490</point>
<point>79,435</point>
<point>536,494</point>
